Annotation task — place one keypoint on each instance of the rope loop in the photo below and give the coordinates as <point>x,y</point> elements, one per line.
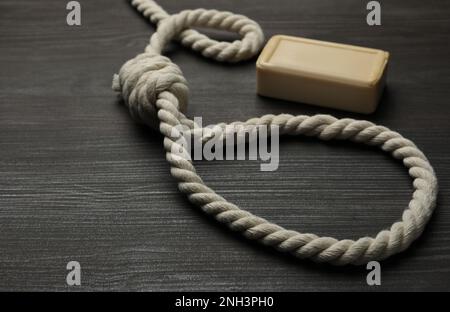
<point>238,50</point>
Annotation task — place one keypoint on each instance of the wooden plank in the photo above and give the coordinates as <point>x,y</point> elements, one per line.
<point>81,181</point>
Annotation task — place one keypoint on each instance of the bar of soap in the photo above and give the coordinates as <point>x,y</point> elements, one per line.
<point>322,73</point>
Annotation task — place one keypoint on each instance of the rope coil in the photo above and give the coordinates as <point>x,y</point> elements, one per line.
<point>156,93</point>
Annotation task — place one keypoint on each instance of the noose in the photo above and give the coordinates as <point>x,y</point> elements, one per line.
<point>156,93</point>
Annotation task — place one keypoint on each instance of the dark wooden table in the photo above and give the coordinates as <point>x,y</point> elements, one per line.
<point>79,180</point>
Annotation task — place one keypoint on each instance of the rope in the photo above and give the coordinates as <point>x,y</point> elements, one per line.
<point>156,93</point>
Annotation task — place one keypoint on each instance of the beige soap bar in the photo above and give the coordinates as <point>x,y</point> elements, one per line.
<point>323,73</point>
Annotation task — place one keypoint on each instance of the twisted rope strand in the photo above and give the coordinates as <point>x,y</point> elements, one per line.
<point>155,91</point>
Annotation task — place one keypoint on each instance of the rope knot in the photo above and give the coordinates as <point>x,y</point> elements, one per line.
<point>143,78</point>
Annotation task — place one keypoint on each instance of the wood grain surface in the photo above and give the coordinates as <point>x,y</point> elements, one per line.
<point>79,180</point>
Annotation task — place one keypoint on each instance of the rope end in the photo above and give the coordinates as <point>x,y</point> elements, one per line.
<point>116,83</point>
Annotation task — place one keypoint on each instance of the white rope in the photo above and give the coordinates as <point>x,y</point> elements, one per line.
<point>156,93</point>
